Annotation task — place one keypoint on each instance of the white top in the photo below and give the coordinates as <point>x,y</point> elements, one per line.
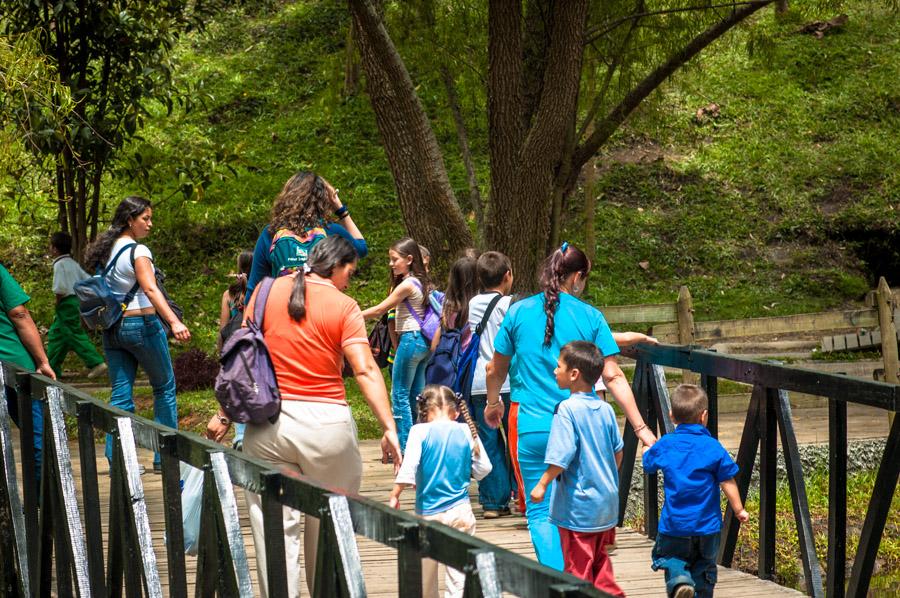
<point>405,322</point>
<point>66,272</point>
<point>439,461</point>
<point>477,306</point>
<point>121,278</point>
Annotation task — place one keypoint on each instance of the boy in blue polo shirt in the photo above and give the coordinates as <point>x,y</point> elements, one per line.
<point>584,451</point>
<point>694,465</point>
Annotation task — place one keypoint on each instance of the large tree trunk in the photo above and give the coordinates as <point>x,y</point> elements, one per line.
<point>426,199</point>
<point>525,164</point>
<point>351,63</point>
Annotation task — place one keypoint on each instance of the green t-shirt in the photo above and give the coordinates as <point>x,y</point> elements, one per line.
<point>11,296</point>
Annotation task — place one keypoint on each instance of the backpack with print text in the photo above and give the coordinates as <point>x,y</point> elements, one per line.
<point>289,251</point>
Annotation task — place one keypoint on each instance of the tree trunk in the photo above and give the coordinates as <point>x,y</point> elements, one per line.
<point>429,208</point>
<point>462,136</point>
<point>525,165</point>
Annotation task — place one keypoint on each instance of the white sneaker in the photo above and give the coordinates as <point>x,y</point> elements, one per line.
<point>97,371</point>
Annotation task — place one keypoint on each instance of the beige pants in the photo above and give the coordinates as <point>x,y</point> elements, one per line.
<point>459,517</point>
<point>314,439</point>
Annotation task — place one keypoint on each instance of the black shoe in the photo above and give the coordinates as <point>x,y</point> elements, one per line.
<point>157,468</point>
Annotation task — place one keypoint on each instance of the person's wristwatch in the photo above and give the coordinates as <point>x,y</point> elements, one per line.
<point>224,420</point>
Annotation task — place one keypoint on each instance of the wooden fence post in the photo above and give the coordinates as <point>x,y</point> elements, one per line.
<point>685,314</point>
<point>884,299</point>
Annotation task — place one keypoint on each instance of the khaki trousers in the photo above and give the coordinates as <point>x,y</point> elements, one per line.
<point>313,439</point>
<point>459,517</point>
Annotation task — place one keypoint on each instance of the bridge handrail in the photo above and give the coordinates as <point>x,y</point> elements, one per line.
<point>769,416</point>
<point>489,569</point>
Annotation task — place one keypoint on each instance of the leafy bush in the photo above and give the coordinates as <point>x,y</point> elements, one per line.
<point>195,370</point>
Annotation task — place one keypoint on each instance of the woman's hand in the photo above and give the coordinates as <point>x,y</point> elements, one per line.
<point>647,437</point>
<point>216,428</point>
<point>493,413</point>
<point>333,196</point>
<point>180,331</point>
<point>537,493</point>
<point>390,449</point>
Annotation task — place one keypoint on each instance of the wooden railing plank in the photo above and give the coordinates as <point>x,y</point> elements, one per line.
<point>639,314</point>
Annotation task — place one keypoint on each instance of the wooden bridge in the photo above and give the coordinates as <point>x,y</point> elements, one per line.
<point>100,535</point>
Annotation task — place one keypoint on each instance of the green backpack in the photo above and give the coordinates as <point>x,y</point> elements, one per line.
<point>289,251</point>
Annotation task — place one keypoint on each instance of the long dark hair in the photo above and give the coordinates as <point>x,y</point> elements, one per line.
<point>238,288</point>
<point>303,203</point>
<point>332,252</point>
<point>97,253</point>
<point>561,263</point>
<point>406,247</point>
<point>462,285</point>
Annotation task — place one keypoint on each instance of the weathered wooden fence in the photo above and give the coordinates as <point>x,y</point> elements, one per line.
<point>45,528</point>
<point>769,414</point>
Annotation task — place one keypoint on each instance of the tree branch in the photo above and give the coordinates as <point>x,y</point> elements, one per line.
<point>594,35</point>
<point>605,128</point>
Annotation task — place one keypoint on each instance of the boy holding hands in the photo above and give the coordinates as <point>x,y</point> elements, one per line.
<point>584,452</point>
<point>694,465</point>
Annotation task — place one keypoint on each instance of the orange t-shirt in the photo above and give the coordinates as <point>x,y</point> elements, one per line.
<point>308,355</point>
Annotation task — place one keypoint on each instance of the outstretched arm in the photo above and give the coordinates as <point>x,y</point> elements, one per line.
<point>403,290</point>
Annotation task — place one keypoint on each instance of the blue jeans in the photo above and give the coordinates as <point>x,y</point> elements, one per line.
<point>687,560</point>
<point>37,423</point>
<point>494,490</point>
<point>408,380</point>
<point>544,535</point>
<point>140,340</point>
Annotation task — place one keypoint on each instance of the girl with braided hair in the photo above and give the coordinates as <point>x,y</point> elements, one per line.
<point>534,331</point>
<point>441,456</point>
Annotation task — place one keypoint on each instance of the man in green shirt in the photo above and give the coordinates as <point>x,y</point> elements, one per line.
<point>20,343</point>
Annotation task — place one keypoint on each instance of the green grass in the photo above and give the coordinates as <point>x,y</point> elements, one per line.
<point>754,211</point>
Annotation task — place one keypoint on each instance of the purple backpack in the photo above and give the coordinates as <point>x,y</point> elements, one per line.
<point>246,387</point>
<point>430,321</point>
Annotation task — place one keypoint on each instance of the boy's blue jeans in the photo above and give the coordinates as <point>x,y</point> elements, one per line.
<point>494,490</point>
<point>688,560</point>
<point>140,340</point>
<point>408,380</point>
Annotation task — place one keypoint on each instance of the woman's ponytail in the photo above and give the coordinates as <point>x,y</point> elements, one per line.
<point>557,267</point>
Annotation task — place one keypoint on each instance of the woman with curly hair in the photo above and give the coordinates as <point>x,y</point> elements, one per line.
<point>534,331</point>
<point>300,218</point>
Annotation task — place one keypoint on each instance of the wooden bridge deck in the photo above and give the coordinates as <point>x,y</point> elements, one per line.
<point>631,560</point>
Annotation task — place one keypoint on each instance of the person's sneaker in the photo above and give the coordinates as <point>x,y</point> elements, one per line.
<point>238,445</point>
<point>97,371</point>
<point>157,468</point>
<point>683,591</point>
<point>491,514</point>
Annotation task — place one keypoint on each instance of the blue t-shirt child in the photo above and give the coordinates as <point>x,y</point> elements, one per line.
<point>694,464</point>
<point>439,462</point>
<point>584,440</point>
<point>521,336</point>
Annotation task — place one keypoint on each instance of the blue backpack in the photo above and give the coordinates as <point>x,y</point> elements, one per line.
<point>99,306</point>
<point>246,387</point>
<point>450,364</point>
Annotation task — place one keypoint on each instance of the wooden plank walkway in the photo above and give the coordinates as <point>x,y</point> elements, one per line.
<point>631,560</point>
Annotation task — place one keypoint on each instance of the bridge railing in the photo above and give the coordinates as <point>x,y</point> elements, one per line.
<point>769,415</point>
<point>45,528</point>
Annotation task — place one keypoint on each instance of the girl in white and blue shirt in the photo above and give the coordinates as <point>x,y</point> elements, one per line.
<point>442,455</point>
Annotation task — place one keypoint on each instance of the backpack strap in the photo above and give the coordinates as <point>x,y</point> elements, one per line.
<point>112,264</point>
<point>259,307</point>
<point>419,320</point>
<point>487,314</point>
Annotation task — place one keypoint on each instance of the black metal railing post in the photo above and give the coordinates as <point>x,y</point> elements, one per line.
<point>768,468</point>
<point>630,442</point>
<point>837,499</point>
<point>273,531</point>
<point>409,560</point>
<point>174,518</point>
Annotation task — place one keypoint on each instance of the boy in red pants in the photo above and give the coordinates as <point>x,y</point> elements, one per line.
<point>584,451</point>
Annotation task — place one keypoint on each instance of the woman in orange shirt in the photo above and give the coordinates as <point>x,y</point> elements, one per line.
<point>310,327</point>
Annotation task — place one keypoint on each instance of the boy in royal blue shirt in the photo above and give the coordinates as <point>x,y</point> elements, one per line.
<point>694,465</point>
<point>583,456</point>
